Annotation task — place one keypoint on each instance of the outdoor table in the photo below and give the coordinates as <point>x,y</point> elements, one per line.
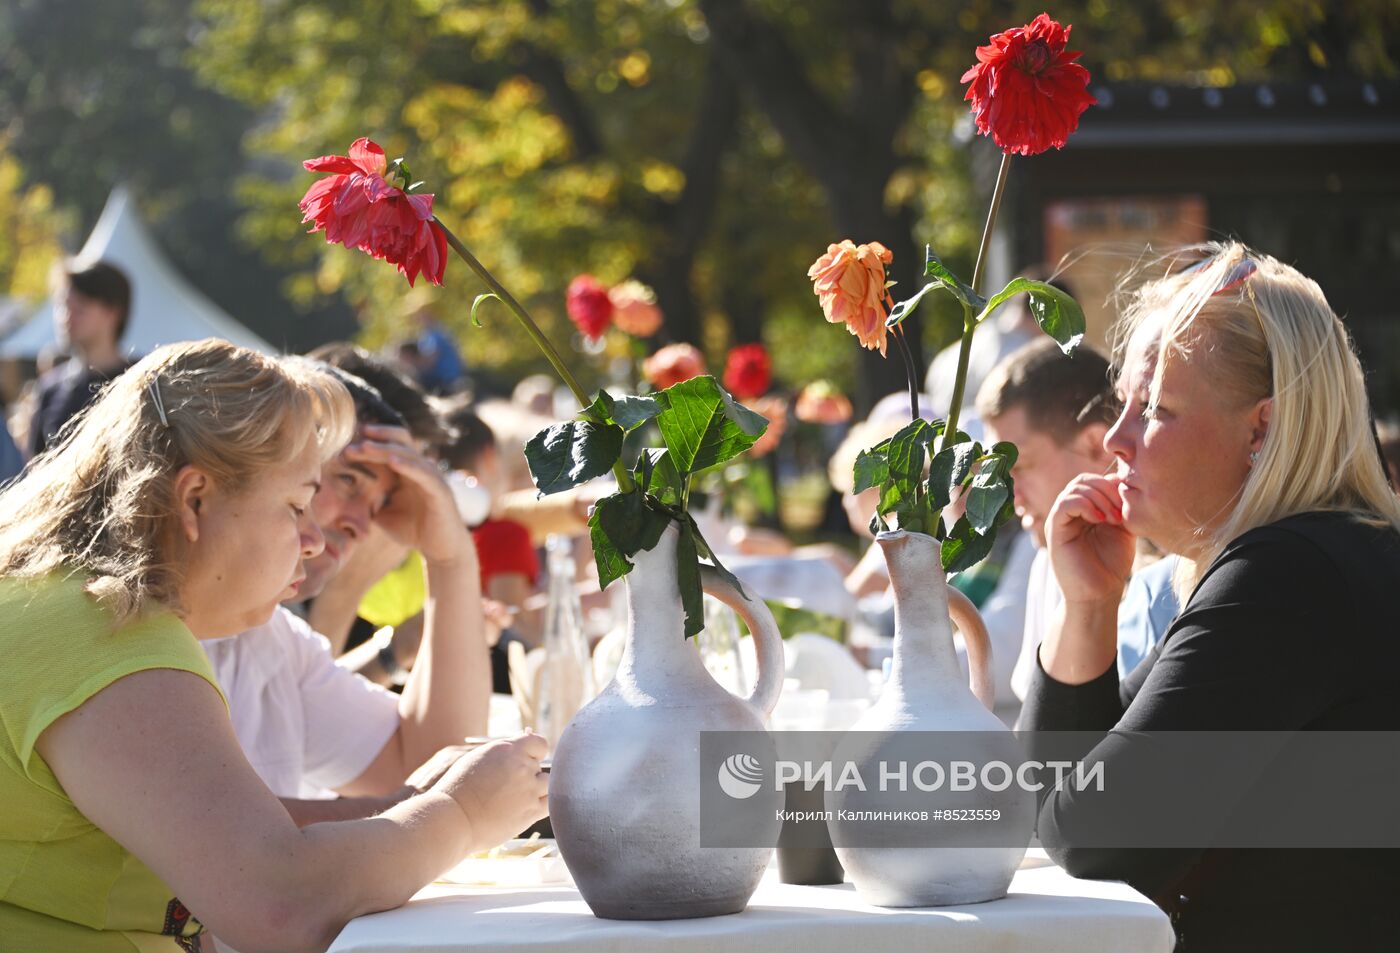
<point>1046,911</point>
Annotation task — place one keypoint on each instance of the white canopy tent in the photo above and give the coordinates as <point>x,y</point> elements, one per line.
<point>165,307</point>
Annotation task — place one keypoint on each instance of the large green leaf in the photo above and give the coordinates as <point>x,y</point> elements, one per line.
<point>631,524</point>
<point>892,498</point>
<point>965,456</point>
<point>601,410</point>
<point>750,422</point>
<point>664,481</point>
<point>906,453</point>
<point>989,492</point>
<point>902,309</point>
<point>621,526</point>
<point>949,469</point>
<point>564,455</point>
<point>703,548</point>
<point>1007,451</point>
<point>703,426</point>
<point>965,547</point>
<point>935,269</point>
<point>631,412</point>
<point>1058,314</point>
<point>611,563</point>
<point>688,578</point>
<point>871,469</point>
<point>940,473</point>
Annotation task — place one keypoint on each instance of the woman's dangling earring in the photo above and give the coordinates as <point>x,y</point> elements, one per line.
<point>1253,457</point>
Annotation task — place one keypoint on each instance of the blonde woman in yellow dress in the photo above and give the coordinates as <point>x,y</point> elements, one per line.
<point>176,509</point>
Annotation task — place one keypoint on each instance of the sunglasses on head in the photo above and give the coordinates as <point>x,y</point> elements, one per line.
<point>1241,271</point>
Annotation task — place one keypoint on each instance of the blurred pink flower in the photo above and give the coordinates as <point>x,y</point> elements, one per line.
<point>821,403</point>
<point>634,309</point>
<point>672,364</point>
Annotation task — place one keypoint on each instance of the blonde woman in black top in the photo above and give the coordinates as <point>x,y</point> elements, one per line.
<point>1245,446</point>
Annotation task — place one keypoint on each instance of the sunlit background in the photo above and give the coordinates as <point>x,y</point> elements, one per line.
<point>710,149</point>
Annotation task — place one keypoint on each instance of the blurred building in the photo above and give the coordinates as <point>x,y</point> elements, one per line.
<point>1308,172</point>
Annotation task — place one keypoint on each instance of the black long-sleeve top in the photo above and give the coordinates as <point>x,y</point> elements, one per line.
<point>1295,626</point>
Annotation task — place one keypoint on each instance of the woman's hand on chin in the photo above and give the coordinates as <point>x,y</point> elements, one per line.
<point>1091,550</point>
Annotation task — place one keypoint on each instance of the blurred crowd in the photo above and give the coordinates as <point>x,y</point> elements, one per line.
<point>355,541</point>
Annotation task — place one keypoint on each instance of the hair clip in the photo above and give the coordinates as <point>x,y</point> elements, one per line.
<point>154,388</point>
<point>1238,272</point>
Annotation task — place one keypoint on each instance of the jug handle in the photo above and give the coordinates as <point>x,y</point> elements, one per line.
<point>979,645</point>
<point>767,639</point>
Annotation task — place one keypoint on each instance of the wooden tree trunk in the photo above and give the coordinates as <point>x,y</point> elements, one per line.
<point>848,148</point>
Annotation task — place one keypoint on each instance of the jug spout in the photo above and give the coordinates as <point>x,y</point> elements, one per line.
<point>657,653</point>
<point>923,649</point>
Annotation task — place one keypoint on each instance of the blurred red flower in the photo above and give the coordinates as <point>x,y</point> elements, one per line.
<point>672,364</point>
<point>748,372</point>
<point>1027,92</point>
<point>589,306</point>
<point>358,208</point>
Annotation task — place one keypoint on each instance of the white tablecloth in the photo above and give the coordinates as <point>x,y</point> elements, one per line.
<point>1046,911</point>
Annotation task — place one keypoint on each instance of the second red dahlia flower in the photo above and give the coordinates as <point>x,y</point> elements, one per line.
<point>1027,92</point>
<point>358,208</point>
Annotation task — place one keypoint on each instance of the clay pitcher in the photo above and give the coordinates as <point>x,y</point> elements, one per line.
<point>625,786</point>
<point>926,692</point>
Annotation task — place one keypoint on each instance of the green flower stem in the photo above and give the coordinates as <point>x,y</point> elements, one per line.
<point>624,481</point>
<point>912,377</point>
<point>991,222</point>
<point>910,374</point>
<point>959,380</point>
<point>969,319</point>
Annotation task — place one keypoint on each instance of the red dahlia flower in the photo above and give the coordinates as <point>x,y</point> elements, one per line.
<point>1027,92</point>
<point>589,306</point>
<point>748,371</point>
<point>358,208</point>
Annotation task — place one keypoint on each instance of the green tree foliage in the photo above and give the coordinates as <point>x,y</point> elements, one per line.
<point>559,139</point>
<point>93,94</point>
<point>30,230</point>
<point>710,147</point>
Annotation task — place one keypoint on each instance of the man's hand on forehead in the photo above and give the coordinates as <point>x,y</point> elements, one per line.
<point>385,433</point>
<point>421,512</point>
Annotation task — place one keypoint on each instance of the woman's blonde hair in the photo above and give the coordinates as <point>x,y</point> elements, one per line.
<point>1266,331</point>
<point>102,501</point>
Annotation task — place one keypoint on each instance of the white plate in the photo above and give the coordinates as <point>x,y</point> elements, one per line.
<point>541,867</point>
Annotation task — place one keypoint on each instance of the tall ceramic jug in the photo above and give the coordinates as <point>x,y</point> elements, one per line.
<point>624,788</point>
<point>926,692</point>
